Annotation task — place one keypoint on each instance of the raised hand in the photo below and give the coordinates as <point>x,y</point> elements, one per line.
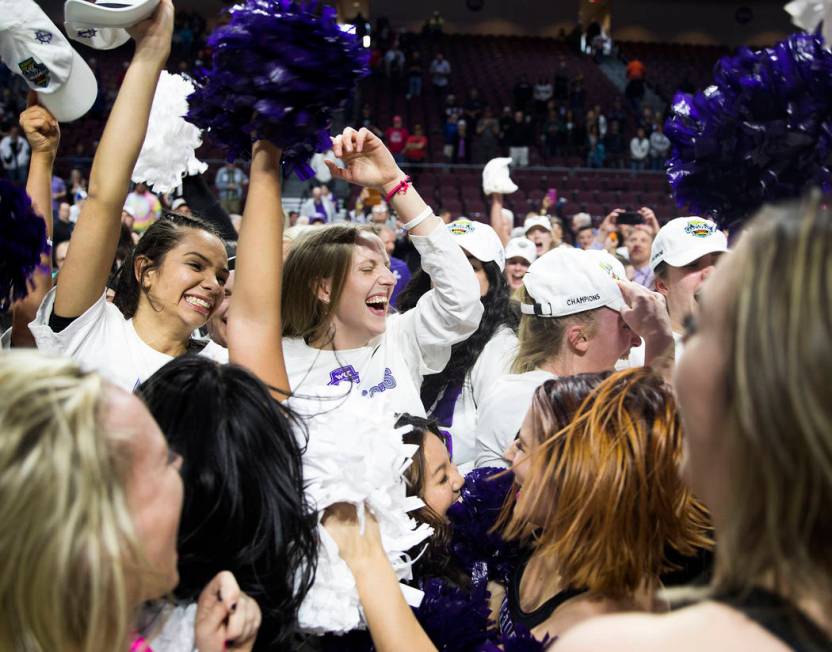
<point>226,618</point>
<point>40,128</point>
<point>369,162</point>
<point>650,219</point>
<point>153,36</point>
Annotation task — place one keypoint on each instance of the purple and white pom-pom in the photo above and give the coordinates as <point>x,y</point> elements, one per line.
<point>279,69</point>
<point>22,241</point>
<point>761,133</point>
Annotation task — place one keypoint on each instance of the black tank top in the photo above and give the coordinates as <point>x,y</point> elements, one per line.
<point>780,618</point>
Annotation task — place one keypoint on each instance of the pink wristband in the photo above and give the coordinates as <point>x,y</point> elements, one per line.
<point>400,189</point>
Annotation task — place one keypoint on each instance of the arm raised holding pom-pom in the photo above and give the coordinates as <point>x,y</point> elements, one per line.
<point>44,135</point>
<point>95,238</point>
<point>254,321</point>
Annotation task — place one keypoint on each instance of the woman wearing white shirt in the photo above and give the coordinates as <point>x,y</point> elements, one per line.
<point>172,283</point>
<point>336,289</point>
<point>453,396</point>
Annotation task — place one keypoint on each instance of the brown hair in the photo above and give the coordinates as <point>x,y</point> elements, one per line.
<point>606,488</point>
<point>542,337</point>
<point>323,254</point>
<point>779,380</point>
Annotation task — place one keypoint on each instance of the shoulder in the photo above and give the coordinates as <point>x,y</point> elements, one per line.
<point>707,625</point>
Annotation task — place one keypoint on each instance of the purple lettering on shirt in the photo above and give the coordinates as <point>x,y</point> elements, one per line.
<point>342,374</point>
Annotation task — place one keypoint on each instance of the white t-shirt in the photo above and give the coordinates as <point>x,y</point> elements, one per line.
<point>502,413</point>
<point>389,370</point>
<point>493,363</point>
<point>104,341</point>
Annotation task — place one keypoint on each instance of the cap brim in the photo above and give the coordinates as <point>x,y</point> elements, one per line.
<point>690,255</point>
<point>75,96</point>
<point>133,12</point>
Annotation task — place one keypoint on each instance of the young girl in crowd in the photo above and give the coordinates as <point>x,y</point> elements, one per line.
<point>578,317</point>
<point>600,502</point>
<point>245,510</point>
<point>173,281</point>
<point>753,387</point>
<point>453,396</point>
<point>90,502</point>
<point>337,285</point>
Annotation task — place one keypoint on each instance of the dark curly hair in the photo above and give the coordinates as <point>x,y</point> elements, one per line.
<point>245,509</point>
<point>498,313</point>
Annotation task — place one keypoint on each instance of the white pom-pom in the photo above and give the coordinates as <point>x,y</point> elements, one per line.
<point>495,177</point>
<point>169,147</point>
<point>356,456</point>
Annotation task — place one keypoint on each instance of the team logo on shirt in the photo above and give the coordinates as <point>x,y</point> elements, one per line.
<point>42,36</point>
<point>388,383</point>
<point>343,374</point>
<point>87,33</point>
<point>36,73</point>
<point>699,228</point>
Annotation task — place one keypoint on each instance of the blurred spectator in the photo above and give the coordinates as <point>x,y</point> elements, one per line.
<point>145,206</point>
<point>485,144</point>
<point>397,266</point>
<point>449,132</point>
<point>647,120</point>
<point>77,186</point>
<point>434,25</point>
<point>396,137</point>
<point>600,121</point>
<point>634,90</point>
<point>451,107</point>
<point>505,120</point>
<point>617,112</point>
<point>597,152</point>
<point>415,72</point>
<point>562,80</point>
<point>639,243</point>
<point>566,131</point>
<point>616,147</point>
<point>62,226</point>
<point>318,206</point>
<point>577,94</point>
<point>473,108</point>
<point>380,215</point>
<point>58,193</point>
<point>231,182</point>
<point>659,147</point>
<point>551,126</point>
<point>585,237</point>
<point>179,205</point>
<point>462,143</point>
<point>522,94</point>
<point>15,152</point>
<point>520,137</point>
<point>394,60</point>
<point>440,73</point>
<point>543,92</point>
<point>416,147</point>
<point>639,150</point>
<point>367,120</point>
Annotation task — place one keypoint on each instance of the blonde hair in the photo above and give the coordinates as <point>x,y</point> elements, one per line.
<point>779,385</point>
<point>65,530</point>
<point>324,254</point>
<point>542,337</point>
<point>606,491</point>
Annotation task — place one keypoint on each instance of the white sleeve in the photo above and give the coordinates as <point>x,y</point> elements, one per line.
<point>89,327</point>
<point>494,419</point>
<point>494,362</point>
<point>445,315</point>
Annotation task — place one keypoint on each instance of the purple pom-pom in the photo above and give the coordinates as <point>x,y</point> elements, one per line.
<point>472,518</point>
<point>279,68</point>
<point>761,133</point>
<point>22,241</point>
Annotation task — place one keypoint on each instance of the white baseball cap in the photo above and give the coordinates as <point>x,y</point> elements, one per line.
<point>541,220</point>
<point>103,25</point>
<point>521,248</point>
<point>566,281</point>
<point>32,46</point>
<point>479,240</point>
<point>685,239</point>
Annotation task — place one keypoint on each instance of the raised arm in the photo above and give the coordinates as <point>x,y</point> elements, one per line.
<point>391,622</point>
<point>254,320</point>
<point>498,221</point>
<point>44,135</point>
<point>95,237</point>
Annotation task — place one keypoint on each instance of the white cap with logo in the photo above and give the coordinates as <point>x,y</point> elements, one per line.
<point>685,239</point>
<point>539,221</point>
<point>566,281</point>
<point>32,46</point>
<point>521,248</point>
<point>479,240</point>
<point>103,25</point>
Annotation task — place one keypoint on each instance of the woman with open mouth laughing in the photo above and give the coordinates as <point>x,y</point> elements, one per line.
<point>336,287</point>
<point>170,285</point>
